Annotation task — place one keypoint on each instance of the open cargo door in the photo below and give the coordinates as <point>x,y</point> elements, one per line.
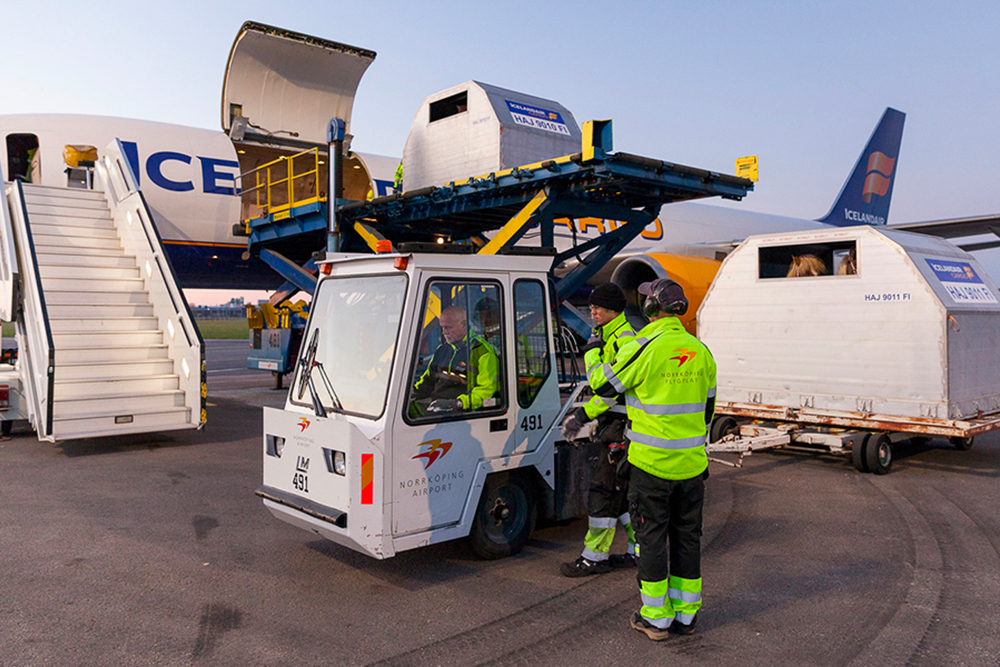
<point>283,87</point>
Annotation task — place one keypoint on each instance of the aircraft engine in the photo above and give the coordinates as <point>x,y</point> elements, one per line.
<point>694,274</point>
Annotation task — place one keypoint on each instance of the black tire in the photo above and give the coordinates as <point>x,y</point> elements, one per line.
<point>858,453</point>
<point>878,453</point>
<point>504,518</point>
<point>962,444</point>
<point>721,426</point>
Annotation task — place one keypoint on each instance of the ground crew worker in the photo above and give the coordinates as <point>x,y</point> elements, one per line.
<point>606,499</point>
<point>668,378</point>
<point>397,181</point>
<point>463,372</point>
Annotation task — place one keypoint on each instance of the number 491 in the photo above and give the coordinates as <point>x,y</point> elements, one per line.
<point>531,423</point>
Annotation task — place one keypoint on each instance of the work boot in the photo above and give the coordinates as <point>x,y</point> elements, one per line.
<point>679,628</point>
<point>621,561</point>
<point>581,567</point>
<point>653,632</point>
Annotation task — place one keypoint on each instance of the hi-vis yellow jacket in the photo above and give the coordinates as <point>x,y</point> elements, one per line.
<point>615,334</point>
<point>668,378</point>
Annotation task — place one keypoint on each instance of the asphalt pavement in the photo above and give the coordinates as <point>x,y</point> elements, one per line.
<point>153,550</point>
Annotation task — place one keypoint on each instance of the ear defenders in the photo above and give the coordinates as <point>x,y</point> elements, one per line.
<point>669,298</point>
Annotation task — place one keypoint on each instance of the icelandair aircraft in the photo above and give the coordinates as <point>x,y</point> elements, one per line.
<point>279,92</point>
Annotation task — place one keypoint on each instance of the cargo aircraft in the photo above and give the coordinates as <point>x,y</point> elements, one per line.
<point>279,92</point>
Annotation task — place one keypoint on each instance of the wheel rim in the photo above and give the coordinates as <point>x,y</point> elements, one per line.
<point>505,514</point>
<point>884,453</point>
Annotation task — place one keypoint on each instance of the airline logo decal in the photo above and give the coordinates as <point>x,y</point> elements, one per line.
<point>683,356</point>
<point>961,282</point>
<point>217,176</point>
<point>879,176</point>
<point>303,424</point>
<point>436,449</point>
<point>541,119</point>
<point>367,479</point>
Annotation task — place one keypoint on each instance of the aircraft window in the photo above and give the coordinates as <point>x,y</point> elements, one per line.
<point>22,158</point>
<point>450,106</point>
<point>459,361</point>
<point>839,258</point>
<point>531,339</point>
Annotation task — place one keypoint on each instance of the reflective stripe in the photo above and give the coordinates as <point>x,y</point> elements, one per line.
<point>626,519</point>
<point>650,601</point>
<point>632,548</point>
<point>665,443</point>
<point>684,596</point>
<point>594,556</point>
<point>610,402</point>
<point>612,378</point>
<point>619,409</point>
<point>661,623</point>
<point>711,392</point>
<point>601,522</point>
<point>684,619</point>
<point>678,409</point>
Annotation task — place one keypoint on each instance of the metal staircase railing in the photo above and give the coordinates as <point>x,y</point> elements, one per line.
<point>139,236</point>
<point>36,350</point>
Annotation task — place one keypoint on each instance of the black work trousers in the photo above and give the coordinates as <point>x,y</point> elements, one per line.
<point>607,496</point>
<point>665,510</point>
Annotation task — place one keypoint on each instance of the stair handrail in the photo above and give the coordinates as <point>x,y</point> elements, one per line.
<point>9,277</point>
<point>36,349</point>
<point>137,230</point>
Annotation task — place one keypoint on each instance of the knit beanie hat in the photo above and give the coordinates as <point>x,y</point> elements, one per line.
<point>608,296</point>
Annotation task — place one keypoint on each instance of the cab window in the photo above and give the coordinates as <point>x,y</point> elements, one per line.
<point>459,365</point>
<point>531,340</point>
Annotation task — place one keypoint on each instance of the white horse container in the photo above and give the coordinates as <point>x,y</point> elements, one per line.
<point>907,342</point>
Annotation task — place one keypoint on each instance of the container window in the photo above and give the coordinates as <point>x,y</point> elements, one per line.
<point>839,258</point>
<point>450,106</point>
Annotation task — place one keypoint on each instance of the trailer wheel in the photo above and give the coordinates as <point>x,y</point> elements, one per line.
<point>858,453</point>
<point>878,453</point>
<point>721,426</point>
<point>962,444</point>
<point>505,517</point>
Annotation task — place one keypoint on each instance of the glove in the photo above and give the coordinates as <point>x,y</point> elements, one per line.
<point>445,405</point>
<point>573,423</point>
<point>595,342</point>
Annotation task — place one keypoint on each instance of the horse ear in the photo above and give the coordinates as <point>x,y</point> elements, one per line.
<point>796,260</point>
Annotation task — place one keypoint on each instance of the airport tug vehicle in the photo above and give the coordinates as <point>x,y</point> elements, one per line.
<point>850,340</point>
<point>362,453</point>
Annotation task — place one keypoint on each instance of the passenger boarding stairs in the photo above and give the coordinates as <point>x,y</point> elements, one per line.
<point>106,342</point>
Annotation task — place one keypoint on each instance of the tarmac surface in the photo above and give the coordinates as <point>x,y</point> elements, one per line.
<point>153,550</point>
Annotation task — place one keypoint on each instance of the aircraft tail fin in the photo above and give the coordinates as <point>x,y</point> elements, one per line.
<point>865,197</point>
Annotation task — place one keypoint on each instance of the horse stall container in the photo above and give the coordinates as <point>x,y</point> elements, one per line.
<point>863,327</point>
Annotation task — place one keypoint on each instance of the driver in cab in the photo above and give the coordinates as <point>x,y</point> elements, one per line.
<point>463,372</point>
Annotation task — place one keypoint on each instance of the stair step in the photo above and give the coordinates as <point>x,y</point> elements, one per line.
<point>113,370</point>
<point>75,231</point>
<point>56,297</point>
<point>107,387</point>
<point>120,260</point>
<point>85,326</point>
<point>120,353</point>
<point>42,241</point>
<point>99,311</point>
<point>62,198</point>
<point>87,272</point>
<point>97,284</point>
<point>90,426</point>
<point>42,219</point>
<point>36,190</point>
<point>86,210</point>
<point>75,252</point>
<point>106,338</point>
<point>115,405</point>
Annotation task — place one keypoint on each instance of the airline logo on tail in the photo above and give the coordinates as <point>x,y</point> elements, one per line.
<point>867,193</point>
<point>879,177</point>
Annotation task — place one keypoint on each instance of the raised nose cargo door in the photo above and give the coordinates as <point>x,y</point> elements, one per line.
<point>285,86</point>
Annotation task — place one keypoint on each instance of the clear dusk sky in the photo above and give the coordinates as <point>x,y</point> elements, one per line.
<point>802,85</point>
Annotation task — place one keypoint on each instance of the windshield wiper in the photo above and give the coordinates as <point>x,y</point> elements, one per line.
<point>306,364</point>
<point>337,405</point>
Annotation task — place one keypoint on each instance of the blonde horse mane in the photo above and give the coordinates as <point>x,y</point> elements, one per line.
<point>806,265</point>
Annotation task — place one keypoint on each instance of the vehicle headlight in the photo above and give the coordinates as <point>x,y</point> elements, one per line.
<point>339,463</point>
<point>275,443</point>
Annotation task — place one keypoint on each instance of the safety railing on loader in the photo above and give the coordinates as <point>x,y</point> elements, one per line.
<point>277,187</point>
<point>139,237</point>
<point>36,349</point>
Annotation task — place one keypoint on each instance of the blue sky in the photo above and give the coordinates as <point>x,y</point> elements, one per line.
<point>799,84</point>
